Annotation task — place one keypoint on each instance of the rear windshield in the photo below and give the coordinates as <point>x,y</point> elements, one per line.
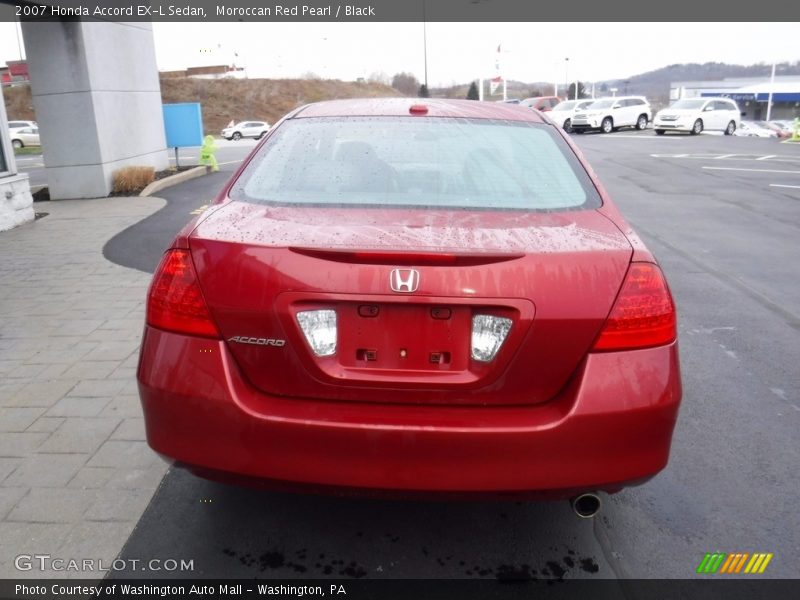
<point>689,104</point>
<point>421,162</point>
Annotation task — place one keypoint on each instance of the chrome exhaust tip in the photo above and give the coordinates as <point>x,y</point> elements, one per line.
<point>586,506</point>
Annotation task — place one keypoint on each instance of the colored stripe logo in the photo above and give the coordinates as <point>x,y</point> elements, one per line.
<point>735,563</point>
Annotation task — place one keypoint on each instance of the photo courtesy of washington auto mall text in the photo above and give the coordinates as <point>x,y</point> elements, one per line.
<point>74,591</point>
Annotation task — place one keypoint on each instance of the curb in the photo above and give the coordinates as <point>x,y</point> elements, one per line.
<point>161,184</point>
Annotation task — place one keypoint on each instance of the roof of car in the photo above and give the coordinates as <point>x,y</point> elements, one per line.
<point>468,109</point>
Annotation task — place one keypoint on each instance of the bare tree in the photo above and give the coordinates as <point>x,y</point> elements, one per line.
<point>405,83</point>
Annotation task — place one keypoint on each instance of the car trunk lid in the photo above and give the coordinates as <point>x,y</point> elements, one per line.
<point>554,275</point>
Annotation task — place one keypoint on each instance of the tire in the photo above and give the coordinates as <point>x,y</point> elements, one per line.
<point>607,126</point>
<point>568,125</point>
<point>236,136</point>
<point>697,127</point>
<point>730,129</point>
<point>660,132</point>
<point>17,144</point>
<point>641,122</point>
<point>260,135</point>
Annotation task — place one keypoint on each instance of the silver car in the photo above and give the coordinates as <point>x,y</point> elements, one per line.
<point>24,136</point>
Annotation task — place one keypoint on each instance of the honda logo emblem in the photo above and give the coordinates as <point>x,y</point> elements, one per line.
<point>404,280</point>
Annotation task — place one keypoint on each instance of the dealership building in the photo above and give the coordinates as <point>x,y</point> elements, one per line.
<point>750,93</point>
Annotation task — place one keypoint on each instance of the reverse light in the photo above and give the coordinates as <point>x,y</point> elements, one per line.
<point>175,301</point>
<point>488,334</point>
<point>319,327</point>
<point>643,314</point>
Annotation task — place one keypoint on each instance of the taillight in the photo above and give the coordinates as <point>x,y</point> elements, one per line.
<point>176,302</point>
<point>643,314</point>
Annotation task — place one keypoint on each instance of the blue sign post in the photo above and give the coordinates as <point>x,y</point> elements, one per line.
<point>183,125</point>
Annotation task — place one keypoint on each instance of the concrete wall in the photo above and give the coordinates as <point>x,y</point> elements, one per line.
<point>97,100</point>
<point>16,203</point>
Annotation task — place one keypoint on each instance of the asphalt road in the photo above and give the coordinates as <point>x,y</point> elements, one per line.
<point>727,236</point>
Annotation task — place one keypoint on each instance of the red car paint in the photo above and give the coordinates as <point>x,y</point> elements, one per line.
<point>582,396</point>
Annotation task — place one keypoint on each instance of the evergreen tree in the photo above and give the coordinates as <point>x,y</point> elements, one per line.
<point>423,91</point>
<point>472,94</point>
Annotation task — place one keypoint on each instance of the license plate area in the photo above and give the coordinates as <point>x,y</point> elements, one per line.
<point>369,341</point>
<point>416,337</point>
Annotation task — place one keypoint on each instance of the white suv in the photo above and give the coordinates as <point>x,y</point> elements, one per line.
<point>697,114</point>
<point>609,114</point>
<point>563,112</point>
<point>252,129</point>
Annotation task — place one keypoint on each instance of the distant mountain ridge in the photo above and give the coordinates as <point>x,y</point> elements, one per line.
<point>653,84</point>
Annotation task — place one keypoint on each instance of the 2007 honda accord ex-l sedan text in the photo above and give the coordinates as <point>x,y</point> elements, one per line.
<point>403,297</point>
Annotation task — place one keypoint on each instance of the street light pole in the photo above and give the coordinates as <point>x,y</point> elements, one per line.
<point>19,44</point>
<point>566,78</point>
<point>425,43</point>
<point>771,87</point>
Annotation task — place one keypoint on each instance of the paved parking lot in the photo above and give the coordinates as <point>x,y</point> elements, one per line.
<point>75,471</point>
<point>722,215</point>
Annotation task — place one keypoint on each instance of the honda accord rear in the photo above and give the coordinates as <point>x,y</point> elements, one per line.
<point>406,297</point>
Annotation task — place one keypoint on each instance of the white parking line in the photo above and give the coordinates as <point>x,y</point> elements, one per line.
<point>780,185</point>
<point>753,170</point>
<point>703,156</point>
<point>633,136</point>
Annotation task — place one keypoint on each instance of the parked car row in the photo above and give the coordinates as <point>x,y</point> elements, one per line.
<point>688,115</point>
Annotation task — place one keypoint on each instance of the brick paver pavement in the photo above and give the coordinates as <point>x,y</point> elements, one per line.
<point>75,470</point>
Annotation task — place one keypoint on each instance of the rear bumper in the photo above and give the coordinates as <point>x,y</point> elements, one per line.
<point>610,427</point>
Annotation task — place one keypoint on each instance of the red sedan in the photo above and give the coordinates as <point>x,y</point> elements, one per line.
<point>408,297</point>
